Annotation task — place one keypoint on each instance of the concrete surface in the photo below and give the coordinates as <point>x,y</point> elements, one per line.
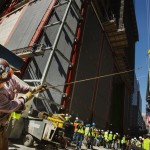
<point>14,146</point>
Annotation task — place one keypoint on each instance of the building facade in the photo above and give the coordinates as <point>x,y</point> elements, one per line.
<point>85,50</point>
<point>137,123</point>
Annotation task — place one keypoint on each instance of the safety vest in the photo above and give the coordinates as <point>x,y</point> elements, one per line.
<point>146,144</point>
<point>15,115</point>
<point>81,129</point>
<point>123,140</point>
<point>114,137</point>
<point>91,133</point>
<point>106,134</point>
<point>97,134</point>
<point>118,141</point>
<point>106,140</point>
<point>67,118</point>
<point>86,130</point>
<point>110,137</point>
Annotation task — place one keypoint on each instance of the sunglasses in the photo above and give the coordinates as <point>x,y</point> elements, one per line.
<point>4,71</point>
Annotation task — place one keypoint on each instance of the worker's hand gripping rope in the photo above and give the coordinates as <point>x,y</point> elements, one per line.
<point>38,89</point>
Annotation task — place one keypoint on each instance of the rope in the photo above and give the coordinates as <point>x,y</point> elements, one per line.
<point>84,80</point>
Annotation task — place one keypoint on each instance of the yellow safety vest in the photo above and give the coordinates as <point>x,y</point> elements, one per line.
<point>106,134</point>
<point>81,130</point>
<point>110,137</point>
<point>91,133</point>
<point>114,137</point>
<point>123,140</point>
<point>86,130</point>
<point>15,115</point>
<point>146,144</point>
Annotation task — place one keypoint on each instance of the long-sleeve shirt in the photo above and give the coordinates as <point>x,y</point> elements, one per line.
<point>8,102</point>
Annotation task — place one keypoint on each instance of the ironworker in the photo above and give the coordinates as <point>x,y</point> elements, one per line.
<point>146,143</point>
<point>87,128</point>
<point>118,141</point>
<point>76,122</point>
<point>9,87</point>
<point>101,137</point>
<point>80,134</point>
<point>91,135</point>
<point>123,142</point>
<point>97,137</point>
<point>115,137</point>
<point>110,137</point>
<point>106,137</point>
<point>67,117</point>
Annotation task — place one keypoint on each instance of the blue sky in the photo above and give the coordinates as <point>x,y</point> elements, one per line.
<point>142,46</point>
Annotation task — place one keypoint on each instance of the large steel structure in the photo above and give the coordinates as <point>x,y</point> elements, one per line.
<point>70,40</point>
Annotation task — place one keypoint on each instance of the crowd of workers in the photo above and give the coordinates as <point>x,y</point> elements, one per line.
<point>90,136</point>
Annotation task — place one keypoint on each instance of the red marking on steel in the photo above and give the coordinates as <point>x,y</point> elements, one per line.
<point>71,72</point>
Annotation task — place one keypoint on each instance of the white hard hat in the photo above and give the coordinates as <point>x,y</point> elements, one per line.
<point>110,131</point>
<point>66,114</point>
<point>117,133</point>
<point>140,137</point>
<point>134,138</point>
<point>77,118</point>
<point>143,139</point>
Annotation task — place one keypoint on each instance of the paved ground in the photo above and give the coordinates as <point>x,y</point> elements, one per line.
<point>21,147</point>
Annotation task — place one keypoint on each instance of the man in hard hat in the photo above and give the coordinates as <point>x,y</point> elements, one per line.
<point>76,122</point>
<point>80,134</point>
<point>91,135</point>
<point>9,87</point>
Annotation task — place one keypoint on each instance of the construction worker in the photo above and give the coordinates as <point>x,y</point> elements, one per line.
<point>115,141</point>
<point>67,117</point>
<point>91,135</point>
<point>9,87</point>
<point>97,137</point>
<point>86,138</point>
<point>146,143</point>
<point>80,134</point>
<point>76,122</point>
<point>123,142</point>
<point>106,138</point>
<point>110,138</point>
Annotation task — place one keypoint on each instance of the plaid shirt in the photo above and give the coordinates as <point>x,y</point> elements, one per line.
<point>8,102</point>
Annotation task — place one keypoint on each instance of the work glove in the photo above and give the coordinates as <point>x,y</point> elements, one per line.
<point>39,88</point>
<point>28,96</point>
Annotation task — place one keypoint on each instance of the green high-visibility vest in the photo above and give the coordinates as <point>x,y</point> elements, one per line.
<point>81,130</point>
<point>146,144</point>
<point>123,140</point>
<point>114,137</point>
<point>106,134</point>
<point>15,115</point>
<point>110,137</point>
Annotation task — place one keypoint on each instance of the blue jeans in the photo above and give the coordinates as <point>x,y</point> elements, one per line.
<point>74,139</point>
<point>80,138</point>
